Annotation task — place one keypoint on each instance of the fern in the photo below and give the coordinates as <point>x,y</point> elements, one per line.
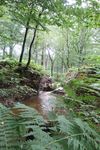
<point>78,134</point>
<point>70,134</point>
<point>8,130</point>
<point>14,130</point>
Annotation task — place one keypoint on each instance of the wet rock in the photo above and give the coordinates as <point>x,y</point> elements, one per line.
<point>59,90</point>
<point>46,84</point>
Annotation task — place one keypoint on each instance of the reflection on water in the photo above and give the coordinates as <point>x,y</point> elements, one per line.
<point>44,103</point>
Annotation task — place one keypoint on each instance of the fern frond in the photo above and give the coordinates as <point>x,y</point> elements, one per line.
<point>30,119</point>
<point>78,134</point>
<point>15,128</point>
<point>8,130</point>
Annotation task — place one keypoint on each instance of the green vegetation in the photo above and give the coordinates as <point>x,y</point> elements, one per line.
<point>15,82</point>
<point>83,97</point>
<point>54,46</point>
<point>26,123</point>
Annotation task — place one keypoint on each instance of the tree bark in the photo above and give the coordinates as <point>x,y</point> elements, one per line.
<point>52,63</point>
<point>23,46</point>
<point>43,57</point>
<point>33,39</point>
<point>4,52</point>
<point>36,57</point>
<point>46,62</point>
<point>30,48</point>
<point>68,51</point>
<point>11,51</point>
<point>52,68</point>
<point>25,37</point>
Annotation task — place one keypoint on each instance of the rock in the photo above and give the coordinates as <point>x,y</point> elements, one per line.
<point>45,84</point>
<point>59,90</point>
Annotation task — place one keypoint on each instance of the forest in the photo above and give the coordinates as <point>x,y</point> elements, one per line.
<point>49,75</point>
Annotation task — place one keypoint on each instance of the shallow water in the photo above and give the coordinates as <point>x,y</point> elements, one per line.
<point>45,103</point>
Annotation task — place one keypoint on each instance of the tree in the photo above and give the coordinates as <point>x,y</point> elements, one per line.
<point>10,35</point>
<point>22,12</point>
<point>71,17</point>
<point>27,14</point>
<point>33,39</point>
<point>52,60</point>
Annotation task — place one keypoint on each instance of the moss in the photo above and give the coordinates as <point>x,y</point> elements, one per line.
<point>17,82</point>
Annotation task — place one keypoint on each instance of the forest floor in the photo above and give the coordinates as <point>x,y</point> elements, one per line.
<point>17,83</point>
<point>84,95</point>
<point>82,92</point>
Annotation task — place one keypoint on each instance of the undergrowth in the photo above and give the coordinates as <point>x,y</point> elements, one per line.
<point>22,128</point>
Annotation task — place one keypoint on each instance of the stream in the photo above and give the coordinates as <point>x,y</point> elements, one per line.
<point>47,103</point>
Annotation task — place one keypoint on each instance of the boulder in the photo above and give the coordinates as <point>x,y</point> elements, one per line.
<point>46,84</point>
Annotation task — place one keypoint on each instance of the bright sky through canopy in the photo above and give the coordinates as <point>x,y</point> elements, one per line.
<point>71,1</point>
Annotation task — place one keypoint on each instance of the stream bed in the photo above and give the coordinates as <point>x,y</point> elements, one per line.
<point>47,103</point>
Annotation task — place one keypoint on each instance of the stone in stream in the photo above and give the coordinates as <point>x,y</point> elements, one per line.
<point>45,84</point>
<point>59,90</point>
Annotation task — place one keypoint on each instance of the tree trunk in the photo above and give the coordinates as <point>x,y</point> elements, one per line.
<point>46,62</point>
<point>42,57</point>
<point>68,65</point>
<point>65,66</point>
<point>4,52</point>
<point>11,51</point>
<point>62,65</point>
<point>52,62</point>
<point>30,48</point>
<point>33,39</point>
<point>57,68</point>
<point>68,51</point>
<point>25,37</point>
<point>52,67</point>
<point>24,42</point>
<point>36,57</point>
